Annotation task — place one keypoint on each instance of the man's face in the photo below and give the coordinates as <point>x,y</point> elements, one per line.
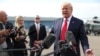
<point>66,11</point>
<point>3,17</point>
<point>37,20</point>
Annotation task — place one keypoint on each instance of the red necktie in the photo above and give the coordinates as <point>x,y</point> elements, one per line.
<point>63,30</point>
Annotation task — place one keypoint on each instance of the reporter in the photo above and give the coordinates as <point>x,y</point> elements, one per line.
<point>5,38</point>
<point>20,39</point>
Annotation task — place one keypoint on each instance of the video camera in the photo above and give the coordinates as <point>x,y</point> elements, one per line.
<point>18,30</point>
<point>8,26</point>
<point>12,31</point>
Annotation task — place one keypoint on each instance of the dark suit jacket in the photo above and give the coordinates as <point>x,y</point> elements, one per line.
<point>77,28</point>
<point>33,33</point>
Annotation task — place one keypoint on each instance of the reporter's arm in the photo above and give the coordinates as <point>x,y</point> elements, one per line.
<point>3,33</point>
<point>21,37</point>
<point>2,39</point>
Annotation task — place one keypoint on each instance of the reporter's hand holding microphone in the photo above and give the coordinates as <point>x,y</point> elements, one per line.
<point>18,38</point>
<point>3,34</point>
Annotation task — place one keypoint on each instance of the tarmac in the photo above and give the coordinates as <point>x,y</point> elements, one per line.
<point>93,42</point>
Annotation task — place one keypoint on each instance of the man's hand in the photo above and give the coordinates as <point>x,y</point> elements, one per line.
<point>35,48</point>
<point>5,32</point>
<point>38,42</point>
<point>2,39</point>
<point>89,52</point>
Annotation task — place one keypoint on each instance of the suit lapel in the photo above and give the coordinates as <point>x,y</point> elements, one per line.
<point>71,24</point>
<point>59,26</point>
<point>34,27</point>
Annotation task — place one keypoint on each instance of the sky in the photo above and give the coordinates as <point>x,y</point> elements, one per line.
<point>50,8</point>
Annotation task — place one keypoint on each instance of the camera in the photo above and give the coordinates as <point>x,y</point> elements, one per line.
<point>8,27</point>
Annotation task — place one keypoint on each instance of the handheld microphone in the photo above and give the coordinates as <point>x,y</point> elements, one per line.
<point>70,37</point>
<point>71,40</point>
<point>48,41</point>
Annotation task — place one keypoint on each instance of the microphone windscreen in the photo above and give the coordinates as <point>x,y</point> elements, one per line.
<point>48,41</point>
<point>70,37</point>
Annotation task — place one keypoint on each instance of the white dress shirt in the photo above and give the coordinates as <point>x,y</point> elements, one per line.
<point>37,29</point>
<point>37,26</point>
<point>68,22</point>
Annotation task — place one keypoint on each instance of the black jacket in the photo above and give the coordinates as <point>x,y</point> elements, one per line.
<point>33,33</point>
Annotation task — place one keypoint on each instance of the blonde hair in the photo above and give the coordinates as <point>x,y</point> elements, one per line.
<point>16,23</point>
<point>16,20</point>
<point>68,4</point>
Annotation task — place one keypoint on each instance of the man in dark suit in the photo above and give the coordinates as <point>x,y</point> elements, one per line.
<point>70,23</point>
<point>37,32</point>
<point>5,36</point>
